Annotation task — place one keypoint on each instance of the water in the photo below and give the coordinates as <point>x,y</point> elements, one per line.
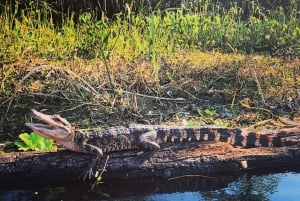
<point>259,186</point>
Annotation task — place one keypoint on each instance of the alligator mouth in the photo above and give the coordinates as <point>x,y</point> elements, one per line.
<point>41,126</point>
<point>45,130</point>
<point>52,123</point>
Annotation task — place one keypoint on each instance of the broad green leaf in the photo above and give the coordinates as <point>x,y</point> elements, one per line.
<point>38,141</point>
<point>22,146</point>
<point>34,142</point>
<point>25,137</point>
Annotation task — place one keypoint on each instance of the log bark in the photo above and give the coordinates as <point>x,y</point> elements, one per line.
<point>170,161</point>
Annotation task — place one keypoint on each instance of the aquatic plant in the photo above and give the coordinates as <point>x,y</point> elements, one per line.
<point>35,142</point>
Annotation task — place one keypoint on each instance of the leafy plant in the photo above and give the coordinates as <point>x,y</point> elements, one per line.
<point>209,112</point>
<point>35,142</point>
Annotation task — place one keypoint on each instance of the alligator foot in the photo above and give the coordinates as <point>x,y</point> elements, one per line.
<point>88,173</point>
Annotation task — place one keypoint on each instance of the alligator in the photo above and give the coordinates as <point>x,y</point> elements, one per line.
<point>136,136</point>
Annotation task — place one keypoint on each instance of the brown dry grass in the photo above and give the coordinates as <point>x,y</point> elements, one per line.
<point>189,82</point>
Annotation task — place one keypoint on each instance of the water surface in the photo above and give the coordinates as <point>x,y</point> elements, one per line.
<point>247,187</point>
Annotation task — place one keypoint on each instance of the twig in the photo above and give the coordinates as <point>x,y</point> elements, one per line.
<point>260,123</point>
<point>99,175</point>
<point>105,58</point>
<point>82,80</point>
<point>246,105</point>
<point>156,97</point>
<point>257,84</point>
<point>46,95</point>
<point>148,96</point>
<point>188,175</point>
<point>235,94</point>
<point>81,105</point>
<point>108,73</point>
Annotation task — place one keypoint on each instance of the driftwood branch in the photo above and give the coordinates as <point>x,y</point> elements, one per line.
<point>170,161</point>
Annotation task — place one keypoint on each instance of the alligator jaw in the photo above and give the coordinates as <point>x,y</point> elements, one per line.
<point>53,120</point>
<point>58,134</point>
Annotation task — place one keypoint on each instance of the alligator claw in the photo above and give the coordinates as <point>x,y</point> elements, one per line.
<point>87,174</point>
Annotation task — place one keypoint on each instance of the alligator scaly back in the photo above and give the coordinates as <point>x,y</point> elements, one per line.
<point>136,136</point>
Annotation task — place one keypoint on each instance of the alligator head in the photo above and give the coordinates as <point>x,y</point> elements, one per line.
<point>56,128</point>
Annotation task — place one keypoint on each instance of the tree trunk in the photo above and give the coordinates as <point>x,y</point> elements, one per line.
<point>170,161</point>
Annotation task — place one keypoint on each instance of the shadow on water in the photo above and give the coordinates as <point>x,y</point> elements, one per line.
<point>249,186</point>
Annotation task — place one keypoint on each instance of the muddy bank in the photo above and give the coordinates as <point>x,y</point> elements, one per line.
<point>170,161</point>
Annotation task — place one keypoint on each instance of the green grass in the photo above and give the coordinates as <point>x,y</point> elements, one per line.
<point>135,35</point>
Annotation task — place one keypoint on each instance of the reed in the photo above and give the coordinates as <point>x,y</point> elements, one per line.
<point>33,33</point>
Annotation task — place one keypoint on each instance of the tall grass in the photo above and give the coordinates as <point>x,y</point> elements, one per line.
<point>34,34</point>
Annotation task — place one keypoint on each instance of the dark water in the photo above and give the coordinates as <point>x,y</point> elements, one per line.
<point>247,187</point>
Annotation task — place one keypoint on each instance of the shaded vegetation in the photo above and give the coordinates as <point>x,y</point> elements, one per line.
<point>168,65</point>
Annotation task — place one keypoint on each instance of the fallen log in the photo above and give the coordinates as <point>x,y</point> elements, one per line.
<point>170,161</point>
<point>211,152</point>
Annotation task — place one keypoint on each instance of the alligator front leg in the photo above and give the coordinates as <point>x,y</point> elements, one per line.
<point>148,140</point>
<point>97,153</point>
